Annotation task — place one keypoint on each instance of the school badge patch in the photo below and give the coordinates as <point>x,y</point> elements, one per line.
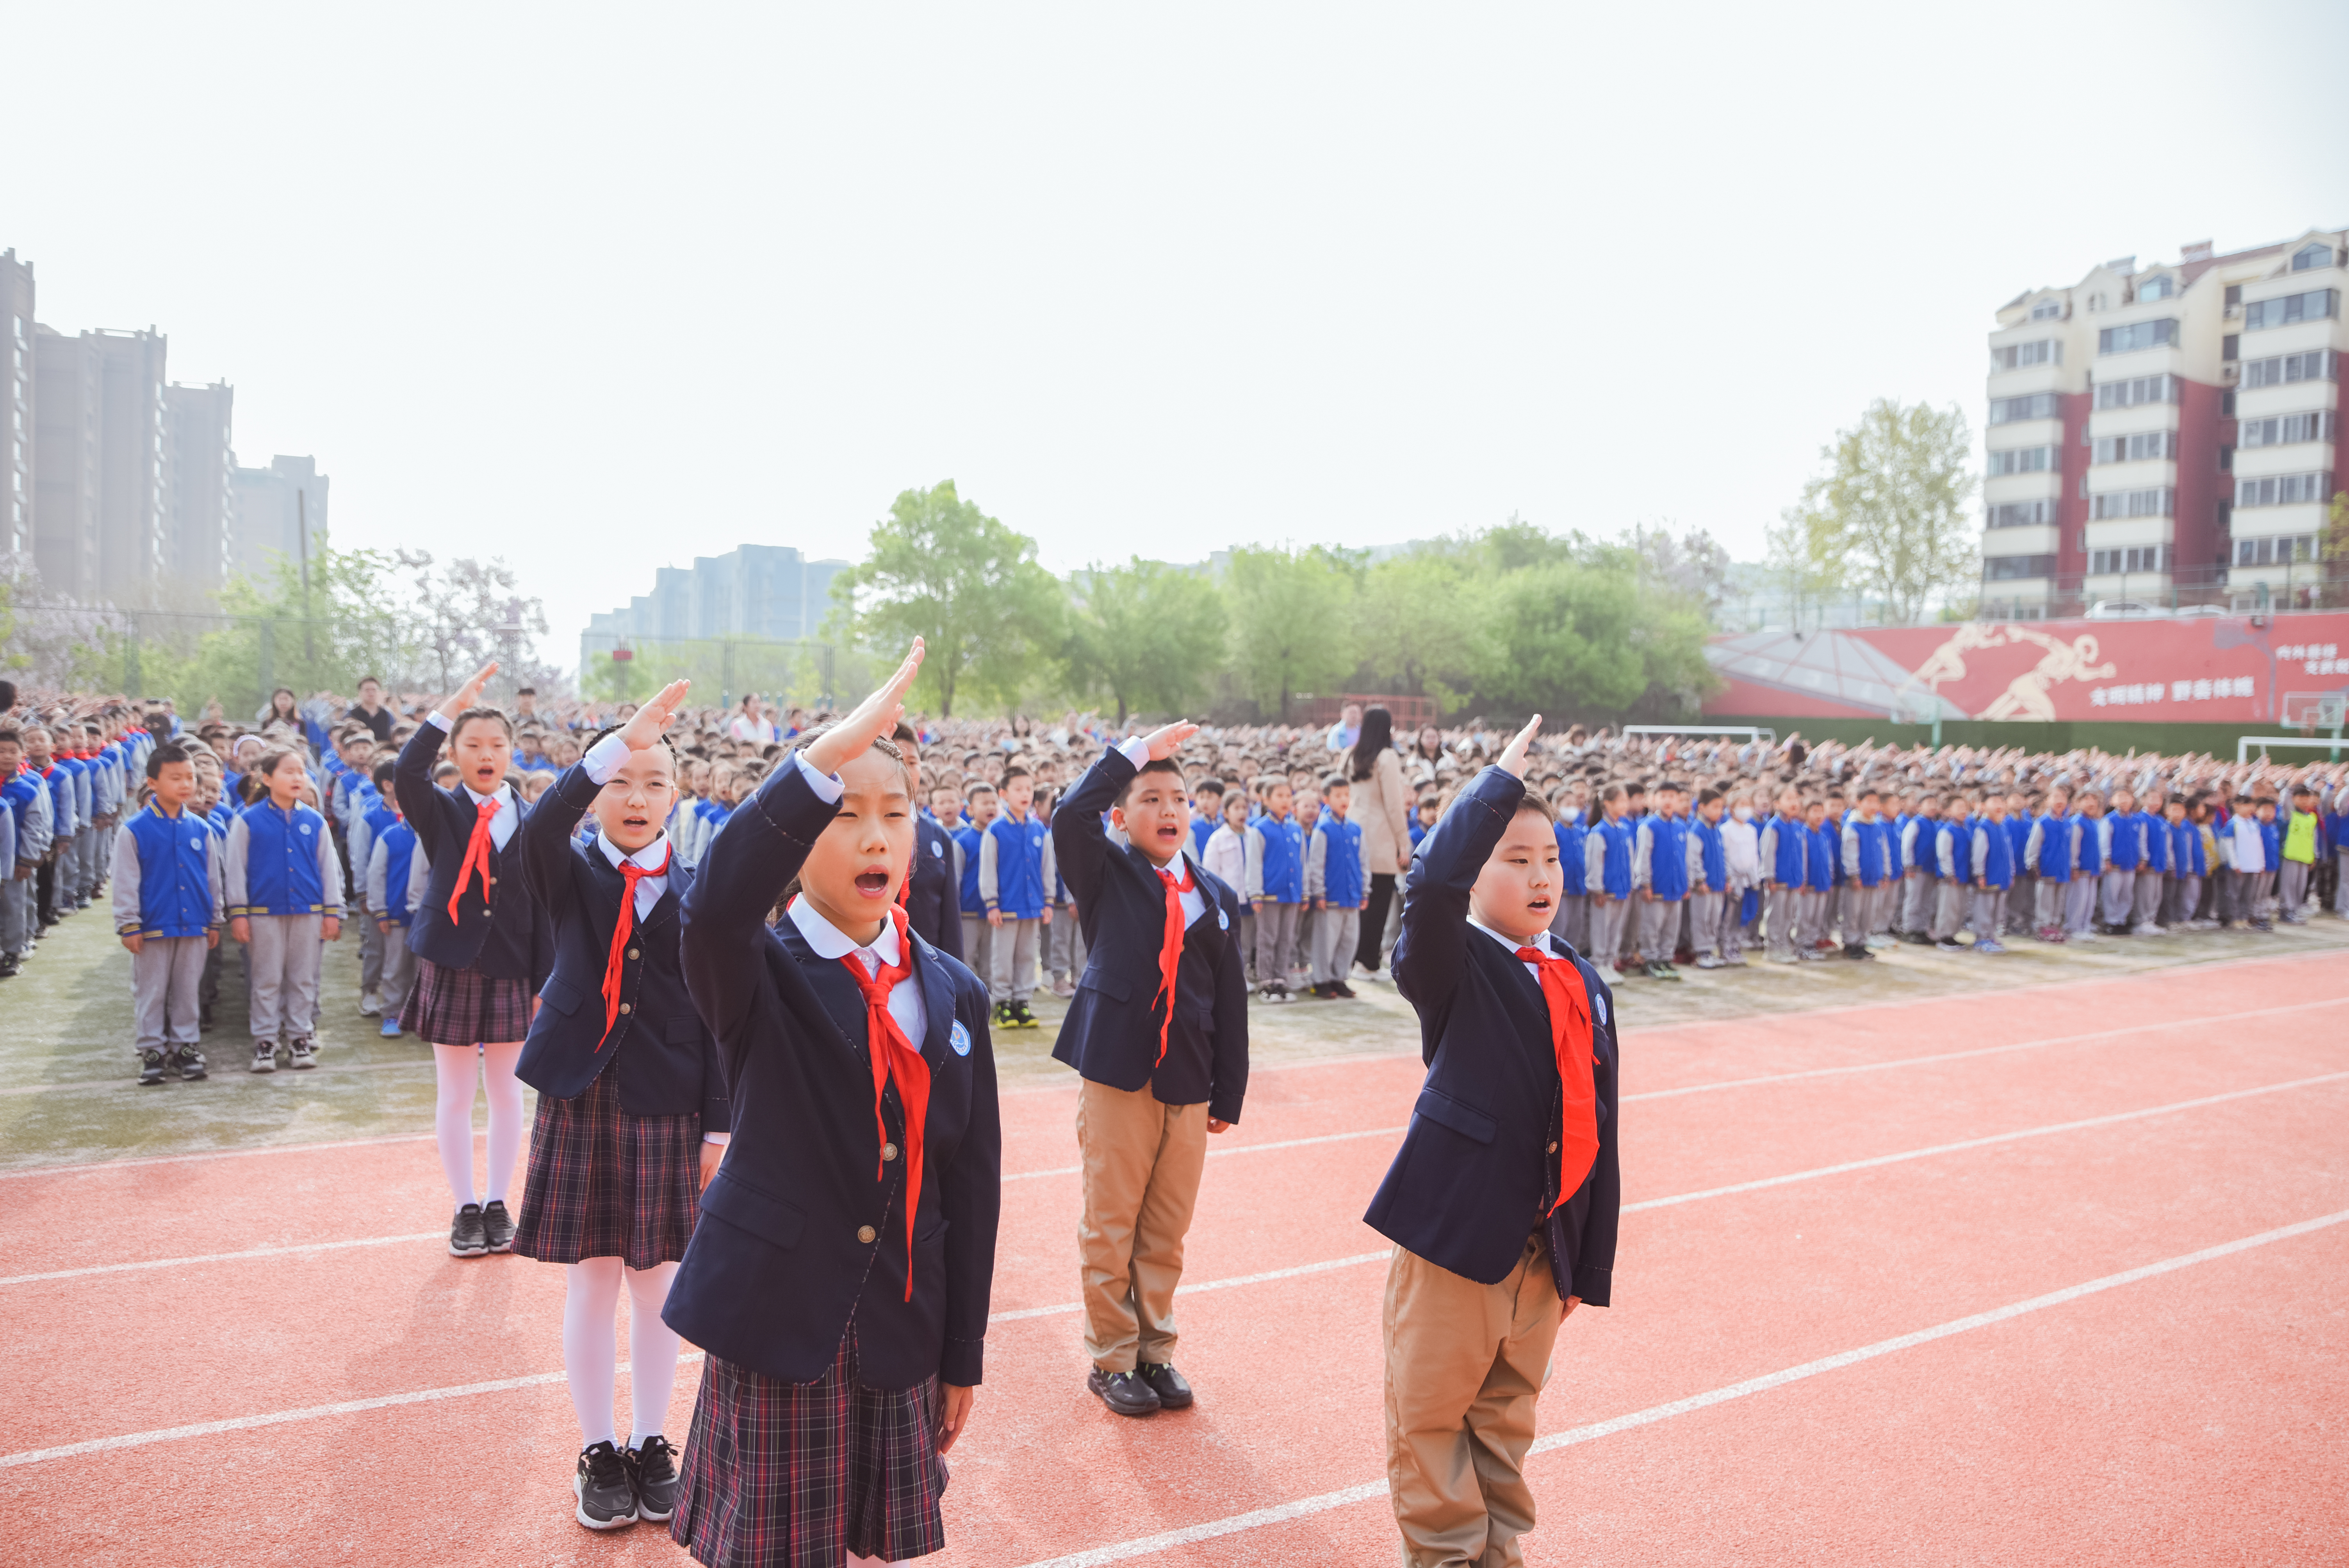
<point>959,1039</point>
<point>938,848</point>
<point>1223,919</point>
<point>1599,1003</point>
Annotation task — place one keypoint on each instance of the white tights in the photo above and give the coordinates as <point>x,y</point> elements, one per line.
<point>453,1121</point>
<point>591,1307</point>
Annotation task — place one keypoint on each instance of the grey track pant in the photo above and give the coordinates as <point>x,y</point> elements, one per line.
<point>1336,933</point>
<point>1017,945</point>
<point>1275,940</point>
<point>2120,896</point>
<point>1783,920</point>
<point>1660,925</point>
<point>164,973</point>
<point>284,954</point>
<point>398,971</point>
<point>1605,917</point>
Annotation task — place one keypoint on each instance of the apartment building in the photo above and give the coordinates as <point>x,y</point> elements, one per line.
<point>765,592</point>
<point>16,385</point>
<point>198,459</point>
<point>2164,433</point>
<point>274,514</point>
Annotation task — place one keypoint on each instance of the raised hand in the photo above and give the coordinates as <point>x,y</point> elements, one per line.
<point>470,693</point>
<point>870,720</point>
<point>1512,759</point>
<point>650,723</point>
<point>1164,741</point>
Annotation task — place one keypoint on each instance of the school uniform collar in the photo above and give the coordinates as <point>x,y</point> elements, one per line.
<point>832,943</point>
<point>650,858</point>
<point>1539,942</point>
<point>829,943</point>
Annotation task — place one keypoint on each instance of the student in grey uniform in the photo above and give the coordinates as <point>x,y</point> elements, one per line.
<point>1783,855</point>
<point>398,875</point>
<point>1918,861</point>
<point>168,888</point>
<point>1607,875</point>
<point>284,902</point>
<point>26,801</point>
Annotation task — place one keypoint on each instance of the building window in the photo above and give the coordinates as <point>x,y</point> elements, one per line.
<point>2140,334</point>
<point>2280,550</point>
<point>2285,429</point>
<point>2048,309</point>
<point>2234,296</point>
<point>2282,489</point>
<point>2136,449</point>
<point>2016,355</point>
<point>2156,502</point>
<point>2316,304</point>
<point>2012,568</point>
<point>2230,345</point>
<point>2316,365</point>
<point>2022,514</point>
<point>2007,410</point>
<point>2226,459</point>
<point>2023,460</point>
<point>2136,389</point>
<point>2155,287</point>
<point>2309,256</point>
<point>2148,558</point>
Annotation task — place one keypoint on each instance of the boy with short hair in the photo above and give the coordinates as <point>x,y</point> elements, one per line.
<point>2047,852</point>
<point>1711,923</point>
<point>2120,839</point>
<point>1815,910</point>
<point>2022,898</point>
<point>1275,888</point>
<point>2188,867</point>
<point>1504,1199</point>
<point>27,801</point>
<point>1953,850</point>
<point>167,911</point>
<point>391,879</point>
<point>1206,813</point>
<point>1920,871</point>
<point>1336,888</point>
<point>2297,864</point>
<point>1607,875</point>
<point>981,804</point>
<point>1784,852</point>
<point>1868,873</point>
<point>1659,871</point>
<point>1015,880</point>
<point>2087,866</point>
<point>1991,862</point>
<point>2153,871</point>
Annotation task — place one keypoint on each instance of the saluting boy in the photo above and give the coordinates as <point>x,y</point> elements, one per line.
<point>1504,1199</point>
<point>1158,1032</point>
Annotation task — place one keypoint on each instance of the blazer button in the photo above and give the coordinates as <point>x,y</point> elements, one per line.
<point>632,952</point>
<point>625,1008</point>
<point>865,1233</point>
<point>1551,1150</point>
<point>888,1151</point>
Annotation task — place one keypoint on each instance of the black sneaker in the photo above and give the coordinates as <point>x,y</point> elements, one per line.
<point>652,1466</point>
<point>1021,1018</point>
<point>1127,1393</point>
<point>192,1063</point>
<point>1339,989</point>
<point>1004,1017</point>
<point>151,1067</point>
<point>1173,1391</point>
<point>468,1237</point>
<point>607,1499</point>
<point>500,1228</point>
<point>9,965</point>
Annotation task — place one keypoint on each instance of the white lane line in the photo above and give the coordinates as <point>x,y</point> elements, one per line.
<point>209,1155</point>
<point>1150,1546</point>
<point>1227,1154</point>
<point>1753,1186</point>
<point>1995,1138</point>
<point>280,1417</point>
<point>1357,1260</point>
<point>291,1251</point>
<point>331,1071</point>
<point>2228,1019</point>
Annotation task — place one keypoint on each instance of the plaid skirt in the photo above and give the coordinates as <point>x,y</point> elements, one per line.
<point>605,1184</point>
<point>792,1475</point>
<point>465,1007</point>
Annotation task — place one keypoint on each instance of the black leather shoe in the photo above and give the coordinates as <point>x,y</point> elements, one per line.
<point>1174,1393</point>
<point>1124,1392</point>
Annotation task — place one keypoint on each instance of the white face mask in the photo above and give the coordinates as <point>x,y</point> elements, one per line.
<point>1743,813</point>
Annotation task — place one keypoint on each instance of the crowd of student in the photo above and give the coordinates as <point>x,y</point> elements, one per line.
<point>669,923</point>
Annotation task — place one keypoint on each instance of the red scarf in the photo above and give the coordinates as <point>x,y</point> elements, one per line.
<point>631,874</point>
<point>480,853</point>
<point>1170,947</point>
<point>1570,1034</point>
<point>893,1057</point>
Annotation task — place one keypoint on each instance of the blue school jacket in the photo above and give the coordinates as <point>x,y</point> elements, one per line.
<point>666,1060</point>
<point>1284,858</point>
<point>398,842</point>
<point>1819,858</point>
<point>1992,856</point>
<point>933,894</point>
<point>1110,1032</point>
<point>1790,850</point>
<point>1202,830</point>
<point>1571,863</point>
<point>282,874</point>
<point>175,874</point>
<point>2186,850</point>
<point>1667,857</point>
<point>1615,860</point>
<point>2124,842</point>
<point>1476,1175</point>
<point>1872,845</point>
<point>1713,854</point>
<point>2087,843</point>
<point>1020,890</point>
<point>2154,833</point>
<point>966,838</point>
<point>2018,839</point>
<point>1342,862</point>
<point>796,1236</point>
<point>492,933</point>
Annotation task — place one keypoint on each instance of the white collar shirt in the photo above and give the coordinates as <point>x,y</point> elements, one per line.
<point>832,944</point>
<point>1540,943</point>
<point>655,854</point>
<point>508,817</point>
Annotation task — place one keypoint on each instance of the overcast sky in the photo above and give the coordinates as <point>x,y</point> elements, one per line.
<point>601,289</point>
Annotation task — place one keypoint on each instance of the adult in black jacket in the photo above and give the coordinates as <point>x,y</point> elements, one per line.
<point>932,895</point>
<point>478,953</point>
<point>1162,1068</point>
<point>632,1109</point>
<point>1504,1198</point>
<point>830,1330</point>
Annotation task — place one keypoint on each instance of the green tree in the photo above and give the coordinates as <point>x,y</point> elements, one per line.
<point>1565,639</point>
<point>1801,552</point>
<point>1422,625</point>
<point>1893,506</point>
<point>1292,616</point>
<point>1145,634</point>
<point>966,584</point>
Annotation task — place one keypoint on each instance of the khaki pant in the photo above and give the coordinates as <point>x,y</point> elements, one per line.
<point>1465,1364</point>
<point>1142,1165</point>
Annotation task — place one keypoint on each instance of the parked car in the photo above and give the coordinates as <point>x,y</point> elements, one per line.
<point>2125,609</point>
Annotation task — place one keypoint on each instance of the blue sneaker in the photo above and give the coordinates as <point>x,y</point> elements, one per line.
<point>391,1028</point>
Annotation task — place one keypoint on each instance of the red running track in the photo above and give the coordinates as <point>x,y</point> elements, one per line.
<point>2045,1275</point>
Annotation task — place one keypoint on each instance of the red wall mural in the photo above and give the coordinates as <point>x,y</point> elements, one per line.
<point>2215,669</point>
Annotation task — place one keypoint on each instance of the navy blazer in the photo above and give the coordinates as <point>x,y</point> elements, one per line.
<point>933,892</point>
<point>796,1236</point>
<point>1477,1170</point>
<point>1110,1032</point>
<point>495,935</point>
<point>667,1058</point>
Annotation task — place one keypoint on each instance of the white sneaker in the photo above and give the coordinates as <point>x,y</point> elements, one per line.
<point>264,1056</point>
<point>304,1054</point>
<point>370,1005</point>
<point>2152,931</point>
